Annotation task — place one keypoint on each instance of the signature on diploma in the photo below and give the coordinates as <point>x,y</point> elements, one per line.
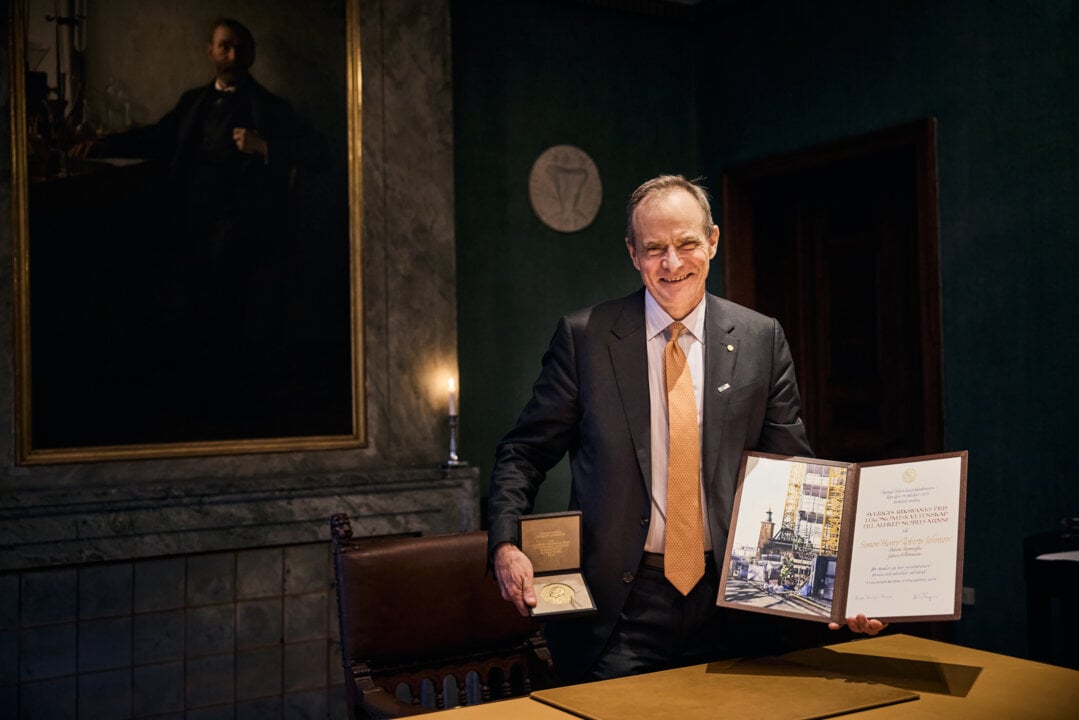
<point>858,597</point>
<point>924,596</point>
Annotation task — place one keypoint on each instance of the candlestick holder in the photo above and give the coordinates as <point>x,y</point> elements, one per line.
<point>453,460</point>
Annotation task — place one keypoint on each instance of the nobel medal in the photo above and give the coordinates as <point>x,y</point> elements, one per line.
<point>556,593</point>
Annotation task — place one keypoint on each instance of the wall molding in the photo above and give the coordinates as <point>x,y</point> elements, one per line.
<point>81,525</point>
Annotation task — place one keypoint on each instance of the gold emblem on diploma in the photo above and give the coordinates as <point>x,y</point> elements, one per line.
<point>556,593</point>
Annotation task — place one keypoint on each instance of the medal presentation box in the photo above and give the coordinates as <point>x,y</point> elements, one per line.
<point>825,540</point>
<point>552,541</point>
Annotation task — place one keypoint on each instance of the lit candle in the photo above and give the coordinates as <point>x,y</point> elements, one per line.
<point>453,396</point>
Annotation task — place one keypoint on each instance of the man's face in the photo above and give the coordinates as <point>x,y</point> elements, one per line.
<point>230,56</point>
<point>672,251</point>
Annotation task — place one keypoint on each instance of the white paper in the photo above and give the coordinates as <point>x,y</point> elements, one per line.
<point>904,552</point>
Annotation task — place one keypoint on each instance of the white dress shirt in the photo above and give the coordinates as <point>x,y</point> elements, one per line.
<point>656,322</point>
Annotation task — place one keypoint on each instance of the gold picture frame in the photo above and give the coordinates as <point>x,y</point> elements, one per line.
<point>101,370</point>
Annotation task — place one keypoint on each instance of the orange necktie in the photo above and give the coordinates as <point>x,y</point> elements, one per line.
<point>684,543</point>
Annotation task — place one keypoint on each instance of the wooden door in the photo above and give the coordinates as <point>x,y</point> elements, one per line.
<point>841,244</point>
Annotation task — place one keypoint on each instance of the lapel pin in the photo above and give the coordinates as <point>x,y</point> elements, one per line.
<point>724,386</point>
<point>730,348</point>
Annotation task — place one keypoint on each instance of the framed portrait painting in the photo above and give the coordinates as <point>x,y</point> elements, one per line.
<point>187,202</point>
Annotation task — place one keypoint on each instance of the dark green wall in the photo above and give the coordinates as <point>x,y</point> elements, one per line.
<point>644,95</point>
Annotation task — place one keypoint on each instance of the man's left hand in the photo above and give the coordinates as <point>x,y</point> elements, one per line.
<point>249,141</point>
<point>861,624</point>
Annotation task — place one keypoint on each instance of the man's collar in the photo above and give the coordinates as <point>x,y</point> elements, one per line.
<point>240,84</point>
<point>656,319</point>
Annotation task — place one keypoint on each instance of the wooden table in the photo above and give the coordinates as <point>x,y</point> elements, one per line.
<point>951,681</point>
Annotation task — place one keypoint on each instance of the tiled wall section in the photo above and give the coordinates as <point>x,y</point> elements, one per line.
<point>246,634</point>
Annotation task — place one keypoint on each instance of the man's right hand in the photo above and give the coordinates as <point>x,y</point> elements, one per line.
<point>514,572</point>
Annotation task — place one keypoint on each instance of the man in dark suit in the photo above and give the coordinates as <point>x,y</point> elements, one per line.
<point>601,397</point>
<point>226,156</point>
<point>228,149</point>
<point>232,145</point>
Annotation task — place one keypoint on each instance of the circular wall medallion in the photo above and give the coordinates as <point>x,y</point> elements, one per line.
<point>565,188</point>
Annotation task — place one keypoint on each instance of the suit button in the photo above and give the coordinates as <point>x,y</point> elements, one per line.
<point>644,522</point>
<point>627,577</point>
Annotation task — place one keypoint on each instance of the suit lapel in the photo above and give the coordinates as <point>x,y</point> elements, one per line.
<point>629,362</point>
<point>254,100</point>
<point>187,125</point>
<point>720,357</point>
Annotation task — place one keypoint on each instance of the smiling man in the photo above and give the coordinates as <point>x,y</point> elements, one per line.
<point>651,544</point>
<point>671,240</point>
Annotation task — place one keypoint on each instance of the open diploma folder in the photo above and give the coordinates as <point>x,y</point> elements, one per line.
<point>826,540</point>
<point>552,541</point>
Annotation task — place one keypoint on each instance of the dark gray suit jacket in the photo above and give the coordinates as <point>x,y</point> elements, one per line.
<point>591,400</point>
<point>262,183</point>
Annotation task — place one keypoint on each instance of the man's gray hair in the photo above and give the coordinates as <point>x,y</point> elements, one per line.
<point>664,184</point>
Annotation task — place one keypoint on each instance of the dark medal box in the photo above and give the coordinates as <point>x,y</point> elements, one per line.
<point>552,541</point>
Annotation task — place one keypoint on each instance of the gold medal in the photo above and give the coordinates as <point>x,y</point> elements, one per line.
<point>556,594</point>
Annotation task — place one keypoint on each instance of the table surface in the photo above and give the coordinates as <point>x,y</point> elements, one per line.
<point>952,682</point>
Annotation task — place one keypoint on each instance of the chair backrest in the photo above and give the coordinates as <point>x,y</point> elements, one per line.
<point>415,611</point>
